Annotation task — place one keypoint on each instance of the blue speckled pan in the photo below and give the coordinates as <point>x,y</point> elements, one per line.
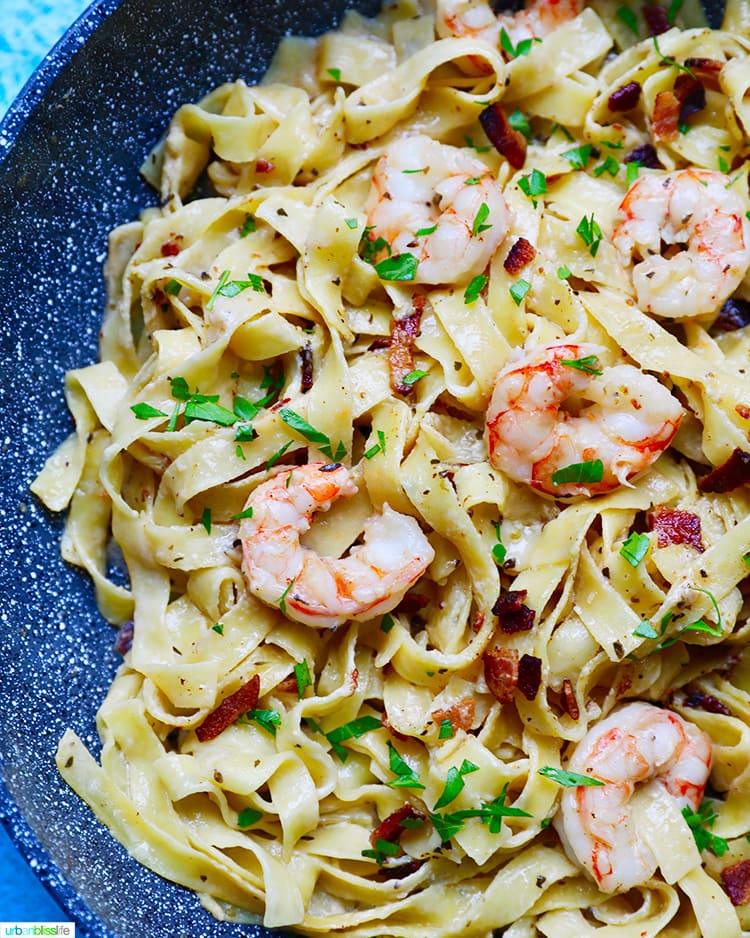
<point>70,149</point>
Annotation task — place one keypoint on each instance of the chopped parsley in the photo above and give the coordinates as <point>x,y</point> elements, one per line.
<point>518,290</point>
<point>446,730</point>
<point>302,674</point>
<point>590,233</point>
<point>292,419</point>
<point>635,547</point>
<point>588,364</point>
<point>610,165</point>
<point>454,783</point>
<point>406,777</point>
<point>628,18</point>
<point>589,471</point>
<point>411,379</point>
<point>533,185</point>
<point>699,821</point>
<point>267,720</point>
<point>206,520</point>
<point>399,267</point>
<point>145,411</point>
<point>480,218</point>
<point>568,779</point>
<point>474,289</point>
<point>247,817</point>
<point>518,121</point>
<point>578,157</point>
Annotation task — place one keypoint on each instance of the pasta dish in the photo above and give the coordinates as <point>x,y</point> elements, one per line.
<point>414,475</point>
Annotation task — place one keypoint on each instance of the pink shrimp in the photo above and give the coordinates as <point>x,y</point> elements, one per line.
<point>702,221</point>
<point>475,19</point>
<point>326,591</point>
<point>582,450</point>
<point>637,744</point>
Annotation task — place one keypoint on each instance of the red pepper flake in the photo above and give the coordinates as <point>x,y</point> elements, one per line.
<point>306,368</point>
<point>729,475</point>
<point>520,255</point>
<point>529,675</point>
<point>625,98</point>
<point>263,166</point>
<point>697,700</point>
<point>477,622</point>
<point>737,882</point>
<point>569,702</point>
<point>673,526</point>
<point>404,333</point>
<point>512,614</point>
<point>392,827</point>
<point>656,20</point>
<point>171,248</point>
<point>508,141</point>
<point>460,714</point>
<point>501,672</point>
<point>232,707</point>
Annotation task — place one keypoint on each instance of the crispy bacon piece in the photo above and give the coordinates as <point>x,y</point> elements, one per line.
<point>460,714</point>
<point>171,248</point>
<point>124,639</point>
<point>529,675</point>
<point>665,121</point>
<point>232,707</point>
<point>263,166</point>
<point>306,368</point>
<point>691,94</point>
<point>707,71</point>
<point>401,350</point>
<point>569,701</point>
<point>656,20</point>
<point>673,526</point>
<point>520,255</point>
<point>697,700</point>
<point>501,672</point>
<point>734,314</point>
<point>736,880</point>
<point>730,475</point>
<point>508,142</point>
<point>392,827</point>
<point>625,98</point>
<point>513,616</point>
<point>400,871</point>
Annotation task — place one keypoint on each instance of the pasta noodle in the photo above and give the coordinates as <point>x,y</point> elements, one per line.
<point>423,441</point>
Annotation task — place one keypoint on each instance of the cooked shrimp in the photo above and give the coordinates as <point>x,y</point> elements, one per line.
<point>475,19</point>
<point>637,744</point>
<point>702,222</point>
<point>630,420</point>
<point>439,205</point>
<point>326,591</point>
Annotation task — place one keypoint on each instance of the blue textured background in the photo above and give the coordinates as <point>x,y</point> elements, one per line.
<point>28,30</point>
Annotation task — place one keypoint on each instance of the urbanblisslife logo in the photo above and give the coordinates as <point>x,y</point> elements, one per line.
<point>59,929</point>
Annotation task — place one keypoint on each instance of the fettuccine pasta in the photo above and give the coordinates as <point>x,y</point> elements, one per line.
<point>423,441</point>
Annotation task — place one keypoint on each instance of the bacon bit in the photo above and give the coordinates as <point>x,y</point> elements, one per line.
<point>730,475</point>
<point>354,678</point>
<point>477,622</point>
<point>734,314</point>
<point>263,166</point>
<point>508,142</point>
<point>697,700</point>
<point>392,827</point>
<point>742,410</point>
<point>646,156</point>
<point>691,94</point>
<point>232,707</point>
<point>160,297</point>
<point>124,639</point>
<point>401,350</point>
<point>512,614</point>
<point>520,255</point>
<point>501,672</point>
<point>529,675</point>
<point>287,686</point>
<point>625,98</point>
<point>656,20</point>
<point>306,368</point>
<point>460,714</point>
<point>570,704</point>
<point>665,121</point>
<point>413,603</point>
<point>171,248</point>
<point>400,871</point>
<point>673,526</point>
<point>707,71</point>
<point>737,882</point>
<point>377,344</point>
<point>624,685</point>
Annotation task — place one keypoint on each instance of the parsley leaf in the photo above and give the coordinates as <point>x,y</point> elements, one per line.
<point>399,267</point>
<point>590,471</point>
<point>406,777</point>
<point>302,674</point>
<point>635,547</point>
<point>518,290</point>
<point>568,779</point>
<point>474,289</point>
<point>590,233</point>
<point>454,783</point>
<point>145,411</point>
<point>698,822</point>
